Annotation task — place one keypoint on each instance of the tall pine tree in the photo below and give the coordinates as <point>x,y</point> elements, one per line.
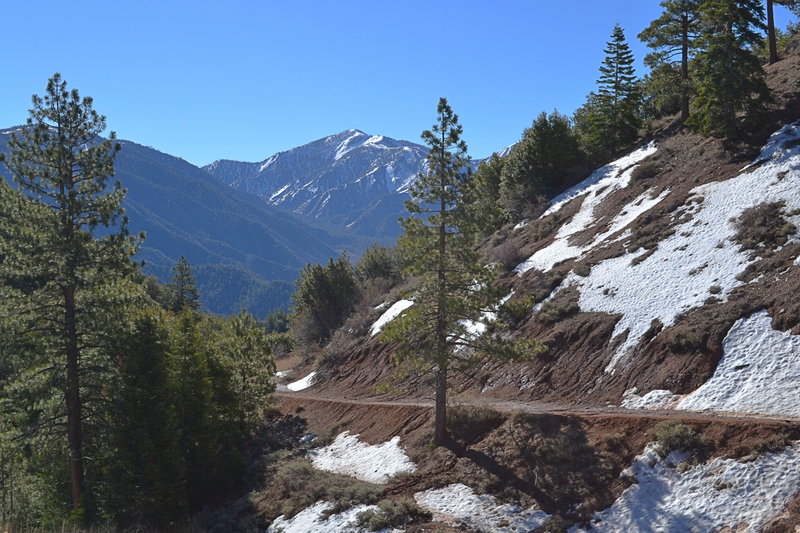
<point>614,119</point>
<point>728,75</point>
<point>672,35</point>
<point>64,195</point>
<point>455,290</point>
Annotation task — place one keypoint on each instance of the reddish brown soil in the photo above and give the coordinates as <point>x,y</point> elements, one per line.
<point>565,459</point>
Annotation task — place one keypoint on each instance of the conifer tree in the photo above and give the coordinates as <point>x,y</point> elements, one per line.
<point>184,287</point>
<point>455,289</point>
<point>614,119</point>
<point>728,75</point>
<point>61,168</point>
<point>541,165</point>
<point>672,35</point>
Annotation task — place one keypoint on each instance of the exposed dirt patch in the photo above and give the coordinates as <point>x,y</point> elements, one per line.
<point>568,464</point>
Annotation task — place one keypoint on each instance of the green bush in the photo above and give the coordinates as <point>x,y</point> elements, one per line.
<point>676,436</point>
<point>564,305</point>
<point>684,340</point>
<point>646,170</point>
<point>392,514</point>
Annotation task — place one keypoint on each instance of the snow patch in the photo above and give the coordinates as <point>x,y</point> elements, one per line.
<point>722,493</point>
<point>302,384</point>
<point>350,457</point>
<point>310,520</point>
<point>758,373</point>
<point>601,184</point>
<point>655,399</point>
<point>389,315</point>
<point>677,276</point>
<point>459,506</point>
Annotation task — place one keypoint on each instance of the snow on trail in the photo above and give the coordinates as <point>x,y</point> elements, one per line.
<point>459,506</point>
<point>758,373</point>
<point>390,314</point>
<point>700,254</point>
<point>302,384</point>
<point>310,520</point>
<point>722,493</point>
<point>597,187</point>
<point>350,457</point>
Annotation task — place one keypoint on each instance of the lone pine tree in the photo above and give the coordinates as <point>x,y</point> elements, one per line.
<point>455,289</point>
<point>612,114</point>
<point>63,195</point>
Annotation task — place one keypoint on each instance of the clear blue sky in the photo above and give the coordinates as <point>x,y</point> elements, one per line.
<point>242,80</point>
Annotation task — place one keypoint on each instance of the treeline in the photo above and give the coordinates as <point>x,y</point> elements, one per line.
<point>120,402</point>
<point>706,72</point>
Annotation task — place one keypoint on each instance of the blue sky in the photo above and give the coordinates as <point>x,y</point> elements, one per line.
<point>242,80</point>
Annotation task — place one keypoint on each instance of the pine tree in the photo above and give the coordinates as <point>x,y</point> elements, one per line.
<point>184,287</point>
<point>672,35</point>
<point>728,75</point>
<point>614,119</point>
<point>541,165</point>
<point>455,289</point>
<point>50,234</point>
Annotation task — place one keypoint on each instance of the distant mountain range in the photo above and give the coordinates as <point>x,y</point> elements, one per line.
<point>246,254</point>
<point>352,180</point>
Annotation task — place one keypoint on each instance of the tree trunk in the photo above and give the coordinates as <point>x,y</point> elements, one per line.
<point>685,69</point>
<point>440,419</point>
<point>73,401</point>
<point>773,45</point>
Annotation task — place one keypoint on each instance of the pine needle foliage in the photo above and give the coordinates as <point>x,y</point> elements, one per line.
<point>731,88</point>
<point>63,231</point>
<point>440,331</point>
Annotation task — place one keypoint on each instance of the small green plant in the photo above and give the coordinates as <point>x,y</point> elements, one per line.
<point>676,436</point>
<point>392,514</point>
<point>684,340</point>
<point>515,312</point>
<point>715,289</point>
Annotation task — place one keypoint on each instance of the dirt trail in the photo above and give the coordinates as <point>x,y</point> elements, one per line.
<point>562,409</point>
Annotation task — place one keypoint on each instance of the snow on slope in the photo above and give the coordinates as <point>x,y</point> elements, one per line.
<point>350,457</point>
<point>302,384</point>
<point>677,276</point>
<point>390,314</point>
<point>597,187</point>
<point>722,493</point>
<point>310,520</point>
<point>759,372</point>
<point>460,507</point>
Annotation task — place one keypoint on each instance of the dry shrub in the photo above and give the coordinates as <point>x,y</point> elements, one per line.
<point>763,227</point>
<point>676,436</point>
<point>292,485</point>
<point>392,514</point>
<point>467,424</point>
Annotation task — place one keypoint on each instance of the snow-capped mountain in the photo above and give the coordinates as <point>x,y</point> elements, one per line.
<point>352,179</point>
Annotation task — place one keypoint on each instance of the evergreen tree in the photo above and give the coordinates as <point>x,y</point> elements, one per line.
<point>728,75</point>
<point>613,119</point>
<point>145,478</point>
<point>455,289</point>
<point>541,165</point>
<point>482,197</point>
<point>184,287</point>
<point>50,233</point>
<point>324,298</point>
<point>673,35</point>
